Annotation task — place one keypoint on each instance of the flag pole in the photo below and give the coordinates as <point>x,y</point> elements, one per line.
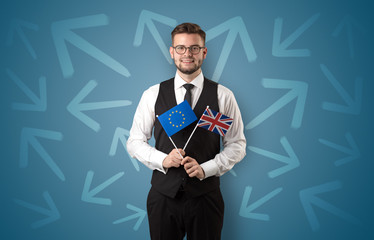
<point>185,145</point>
<point>171,140</point>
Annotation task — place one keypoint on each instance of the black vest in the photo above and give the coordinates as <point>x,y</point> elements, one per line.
<point>203,146</point>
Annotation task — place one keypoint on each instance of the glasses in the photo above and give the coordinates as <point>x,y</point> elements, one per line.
<point>180,49</point>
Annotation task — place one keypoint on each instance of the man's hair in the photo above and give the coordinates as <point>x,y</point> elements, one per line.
<point>189,28</point>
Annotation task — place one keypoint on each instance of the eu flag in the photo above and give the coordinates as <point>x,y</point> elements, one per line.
<point>177,118</point>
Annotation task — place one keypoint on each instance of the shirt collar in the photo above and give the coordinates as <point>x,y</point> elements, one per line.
<point>197,82</point>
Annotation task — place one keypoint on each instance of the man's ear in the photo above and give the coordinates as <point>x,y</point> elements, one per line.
<point>171,50</point>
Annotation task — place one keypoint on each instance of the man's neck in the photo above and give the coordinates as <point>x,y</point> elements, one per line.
<point>189,77</point>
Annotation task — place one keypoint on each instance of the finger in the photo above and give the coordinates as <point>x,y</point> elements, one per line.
<point>186,160</point>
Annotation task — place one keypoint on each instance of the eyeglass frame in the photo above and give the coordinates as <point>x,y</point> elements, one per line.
<point>189,48</point>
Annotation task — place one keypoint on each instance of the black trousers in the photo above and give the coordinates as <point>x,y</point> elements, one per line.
<point>201,218</point>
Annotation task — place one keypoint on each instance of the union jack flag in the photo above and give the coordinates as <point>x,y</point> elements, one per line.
<point>215,122</point>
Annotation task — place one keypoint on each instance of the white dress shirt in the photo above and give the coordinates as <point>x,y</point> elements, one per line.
<point>234,143</point>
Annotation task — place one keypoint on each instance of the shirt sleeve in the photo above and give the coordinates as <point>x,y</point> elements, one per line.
<point>141,131</point>
<point>234,142</point>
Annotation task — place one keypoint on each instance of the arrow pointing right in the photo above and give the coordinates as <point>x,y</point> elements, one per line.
<point>140,214</point>
<point>353,151</point>
<point>40,104</point>
<point>292,160</point>
<point>62,33</point>
<point>235,26</point>
<point>353,106</point>
<point>146,18</point>
<point>120,135</point>
<point>247,211</point>
<point>52,213</point>
<point>308,198</point>
<point>298,90</point>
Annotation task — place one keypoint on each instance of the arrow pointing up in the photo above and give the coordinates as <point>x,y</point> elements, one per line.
<point>140,214</point>
<point>120,135</point>
<point>89,195</point>
<point>62,33</point>
<point>349,22</point>
<point>146,18</point>
<point>247,211</point>
<point>75,107</point>
<point>28,136</point>
<point>280,49</point>
<point>298,90</point>
<point>353,106</point>
<point>236,27</point>
<point>308,198</point>
<point>52,213</point>
<point>40,104</point>
<point>16,27</point>
<point>291,160</point>
<point>353,151</point>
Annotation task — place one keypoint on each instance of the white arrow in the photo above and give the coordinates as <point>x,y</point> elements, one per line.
<point>62,33</point>
<point>146,18</point>
<point>291,160</point>
<point>140,214</point>
<point>76,108</point>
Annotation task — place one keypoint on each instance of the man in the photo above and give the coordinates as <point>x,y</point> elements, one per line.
<point>185,195</point>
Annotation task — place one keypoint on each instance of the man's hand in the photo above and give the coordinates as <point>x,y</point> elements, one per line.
<point>173,159</point>
<point>193,168</point>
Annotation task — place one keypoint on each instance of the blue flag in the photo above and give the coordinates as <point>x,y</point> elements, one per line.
<point>177,118</point>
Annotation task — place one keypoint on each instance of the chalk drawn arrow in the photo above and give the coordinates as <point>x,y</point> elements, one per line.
<point>280,48</point>
<point>39,103</point>
<point>291,160</point>
<point>308,198</point>
<point>17,26</point>
<point>140,215</point>
<point>349,23</point>
<point>235,27</point>
<point>52,213</point>
<point>247,211</point>
<point>146,19</point>
<point>89,195</point>
<point>298,91</point>
<point>62,33</point>
<point>76,108</point>
<point>353,106</point>
<point>353,151</point>
<point>121,135</point>
<point>29,137</point>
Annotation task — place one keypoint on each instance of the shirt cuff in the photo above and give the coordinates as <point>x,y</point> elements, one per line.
<point>159,157</point>
<point>210,168</point>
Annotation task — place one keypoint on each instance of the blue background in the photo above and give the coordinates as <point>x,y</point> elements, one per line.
<point>314,199</point>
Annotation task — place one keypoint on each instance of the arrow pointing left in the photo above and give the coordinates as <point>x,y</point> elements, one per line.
<point>62,33</point>
<point>140,214</point>
<point>247,211</point>
<point>89,195</point>
<point>76,108</point>
<point>308,198</point>
<point>292,160</point>
<point>298,90</point>
<point>16,27</point>
<point>28,137</point>
<point>235,27</point>
<point>40,103</point>
<point>280,49</point>
<point>52,213</point>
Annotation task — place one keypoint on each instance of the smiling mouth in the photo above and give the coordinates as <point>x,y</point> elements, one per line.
<point>187,60</point>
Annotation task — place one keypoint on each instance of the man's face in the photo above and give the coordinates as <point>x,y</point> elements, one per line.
<point>188,63</point>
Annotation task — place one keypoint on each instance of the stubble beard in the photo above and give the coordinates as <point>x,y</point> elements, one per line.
<point>188,71</point>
